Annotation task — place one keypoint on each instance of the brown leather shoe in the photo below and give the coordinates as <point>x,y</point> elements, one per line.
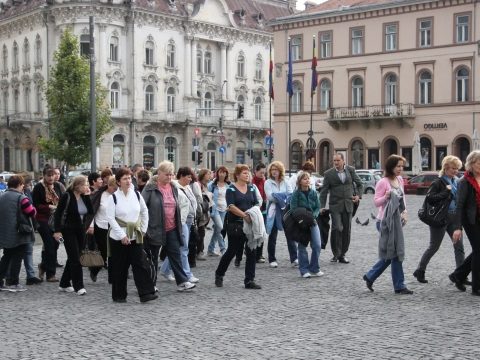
<point>52,279</point>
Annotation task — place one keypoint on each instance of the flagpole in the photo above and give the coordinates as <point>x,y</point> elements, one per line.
<point>290,92</point>
<point>310,142</point>
<point>270,96</point>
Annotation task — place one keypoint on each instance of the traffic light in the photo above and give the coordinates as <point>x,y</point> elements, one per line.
<point>271,154</point>
<point>196,132</point>
<point>200,157</point>
<point>265,152</point>
<point>240,112</point>
<point>193,155</point>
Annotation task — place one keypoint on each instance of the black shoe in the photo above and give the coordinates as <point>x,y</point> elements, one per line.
<point>252,285</point>
<point>476,292</point>
<point>458,284</point>
<point>93,276</point>
<point>237,263</point>
<point>404,291</point>
<point>121,300</point>
<point>420,275</point>
<point>334,259</point>
<point>368,283</point>
<point>343,260</point>
<point>467,282</point>
<point>148,297</point>
<point>34,281</point>
<point>218,281</point>
<point>58,265</point>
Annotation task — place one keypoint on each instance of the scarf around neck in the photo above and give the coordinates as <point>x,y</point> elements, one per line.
<point>471,179</point>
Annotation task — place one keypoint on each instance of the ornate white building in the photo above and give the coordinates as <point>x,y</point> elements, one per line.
<point>171,66</point>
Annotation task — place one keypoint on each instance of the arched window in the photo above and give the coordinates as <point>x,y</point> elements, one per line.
<point>325,94</point>
<point>357,92</point>
<point>258,108</point>
<point>259,68</point>
<point>5,58</point>
<point>425,88</point>
<point>462,81</point>
<point>171,149</point>
<point>114,96</point>
<point>118,158</point>
<point>171,100</point>
<point>15,56</point>
<point>171,55</point>
<point>6,155</point>
<point>207,62</point>
<point>38,50</point>
<point>114,48</point>
<point>149,50</point>
<point>26,98</point>
<point>357,152</point>
<point>207,103</point>
<point>16,99</point>
<point>297,156</point>
<point>241,66</point>
<point>199,62</point>
<point>38,99</point>
<point>297,98</point>
<point>426,152</point>
<point>85,45</point>
<point>26,53</point>
<point>149,98</point>
<point>5,102</point>
<point>148,152</point>
<point>391,89</point>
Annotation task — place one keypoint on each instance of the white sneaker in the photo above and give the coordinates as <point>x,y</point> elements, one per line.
<point>168,277</point>
<point>81,292</point>
<point>193,280</point>
<point>68,289</point>
<point>318,274</point>
<point>273,264</point>
<point>185,286</point>
<point>295,263</point>
<point>306,275</point>
<point>156,289</point>
<point>14,288</point>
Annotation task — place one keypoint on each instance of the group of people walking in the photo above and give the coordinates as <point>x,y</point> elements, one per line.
<point>134,220</point>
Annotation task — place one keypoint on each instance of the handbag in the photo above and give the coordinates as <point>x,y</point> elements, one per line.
<point>91,258</point>
<point>435,215</point>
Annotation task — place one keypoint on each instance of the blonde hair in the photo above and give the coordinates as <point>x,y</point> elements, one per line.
<point>301,176</point>
<point>472,158</point>
<point>77,182</point>
<point>281,168</point>
<point>450,160</point>
<point>111,181</point>
<point>166,167</point>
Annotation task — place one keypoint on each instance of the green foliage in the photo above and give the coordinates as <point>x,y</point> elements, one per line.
<point>68,91</point>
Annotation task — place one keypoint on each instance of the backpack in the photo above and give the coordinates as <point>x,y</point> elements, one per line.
<point>205,206</point>
<point>115,198</point>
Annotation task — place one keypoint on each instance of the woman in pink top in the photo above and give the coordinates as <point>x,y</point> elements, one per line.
<point>392,215</point>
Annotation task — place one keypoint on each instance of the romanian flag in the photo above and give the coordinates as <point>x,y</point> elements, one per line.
<point>270,75</point>
<point>314,69</point>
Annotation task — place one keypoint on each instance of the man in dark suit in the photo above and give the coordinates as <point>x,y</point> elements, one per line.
<point>339,181</point>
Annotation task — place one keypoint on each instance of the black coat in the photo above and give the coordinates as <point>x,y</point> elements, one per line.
<point>466,212</point>
<point>297,224</point>
<point>73,221</point>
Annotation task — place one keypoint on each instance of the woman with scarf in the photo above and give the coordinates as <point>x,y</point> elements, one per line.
<point>443,189</point>
<point>392,216</point>
<point>468,216</point>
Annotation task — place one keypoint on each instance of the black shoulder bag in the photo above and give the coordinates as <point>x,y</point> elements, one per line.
<point>435,215</point>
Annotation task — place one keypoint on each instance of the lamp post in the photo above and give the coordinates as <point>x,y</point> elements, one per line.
<point>221,115</point>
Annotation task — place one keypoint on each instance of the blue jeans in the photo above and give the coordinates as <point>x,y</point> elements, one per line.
<point>166,268</point>
<point>28,261</point>
<point>315,243</point>
<point>272,243</point>
<point>217,236</point>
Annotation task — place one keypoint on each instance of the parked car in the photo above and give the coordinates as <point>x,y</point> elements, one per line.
<point>419,184</point>
<point>369,181</point>
<point>370,171</point>
<point>6,175</point>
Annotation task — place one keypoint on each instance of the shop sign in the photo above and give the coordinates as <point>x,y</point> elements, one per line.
<point>435,126</point>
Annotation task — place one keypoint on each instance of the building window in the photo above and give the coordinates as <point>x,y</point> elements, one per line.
<point>171,55</point>
<point>5,58</point>
<point>357,92</point>
<point>171,149</point>
<point>297,97</point>
<point>296,43</point>
<point>258,108</point>
<point>425,33</point>
<point>425,88</point>
<point>207,104</point>
<point>38,99</point>
<point>297,156</point>
<point>85,45</point>
<point>149,48</point>
<point>148,152</point>
<point>15,57</point>
<point>114,96</point>
<point>38,50</point>
<point>149,98</point>
<point>26,53</point>
<point>241,66</point>
<point>391,33</point>
<point>357,152</point>
<point>26,98</point>
<point>5,103</point>
<point>391,89</point>
<point>259,68</point>
<point>241,102</point>
<point>114,48</point>
<point>207,62</point>
<point>171,100</point>
<point>16,96</point>
<point>326,45</point>
<point>325,95</point>
<point>461,80</point>
<point>462,28</point>
<point>357,41</point>
<point>118,158</point>
<point>199,61</point>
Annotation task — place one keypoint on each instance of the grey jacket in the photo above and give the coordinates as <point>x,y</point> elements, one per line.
<point>340,193</point>
<point>11,238</point>
<point>391,243</point>
<point>156,234</point>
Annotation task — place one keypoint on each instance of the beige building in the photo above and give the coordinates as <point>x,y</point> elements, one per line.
<point>387,71</point>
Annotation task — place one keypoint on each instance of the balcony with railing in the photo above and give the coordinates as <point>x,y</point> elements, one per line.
<point>23,118</point>
<point>372,115</point>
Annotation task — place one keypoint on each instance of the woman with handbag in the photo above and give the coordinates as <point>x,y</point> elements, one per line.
<point>468,216</point>
<point>72,208</point>
<point>17,232</point>
<point>306,197</point>
<point>392,216</point>
<point>443,189</point>
<point>218,187</point>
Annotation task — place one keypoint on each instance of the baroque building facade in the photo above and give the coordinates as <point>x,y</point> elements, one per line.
<point>388,73</point>
<point>176,72</point>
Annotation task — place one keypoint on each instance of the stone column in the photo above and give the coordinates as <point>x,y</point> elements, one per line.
<point>188,66</point>
<point>223,69</point>
<point>102,47</point>
<point>194,68</point>
<point>230,71</point>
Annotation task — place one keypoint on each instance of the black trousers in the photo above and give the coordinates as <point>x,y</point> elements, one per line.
<point>12,261</point>
<point>340,236</point>
<point>472,261</point>
<point>201,238</point>
<point>49,252</point>
<point>236,241</point>
<point>154,252</point>
<point>122,257</point>
<point>100,237</point>
<point>73,272</point>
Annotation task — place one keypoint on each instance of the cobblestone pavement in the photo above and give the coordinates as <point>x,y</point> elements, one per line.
<point>332,317</point>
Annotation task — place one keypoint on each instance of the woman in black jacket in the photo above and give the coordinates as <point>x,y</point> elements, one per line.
<point>70,226</point>
<point>443,189</point>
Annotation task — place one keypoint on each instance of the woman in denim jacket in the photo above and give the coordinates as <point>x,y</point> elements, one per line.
<point>218,187</point>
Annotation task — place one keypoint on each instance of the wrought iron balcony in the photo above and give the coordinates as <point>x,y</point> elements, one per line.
<point>403,114</point>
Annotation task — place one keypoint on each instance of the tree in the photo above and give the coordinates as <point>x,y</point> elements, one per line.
<point>68,91</point>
